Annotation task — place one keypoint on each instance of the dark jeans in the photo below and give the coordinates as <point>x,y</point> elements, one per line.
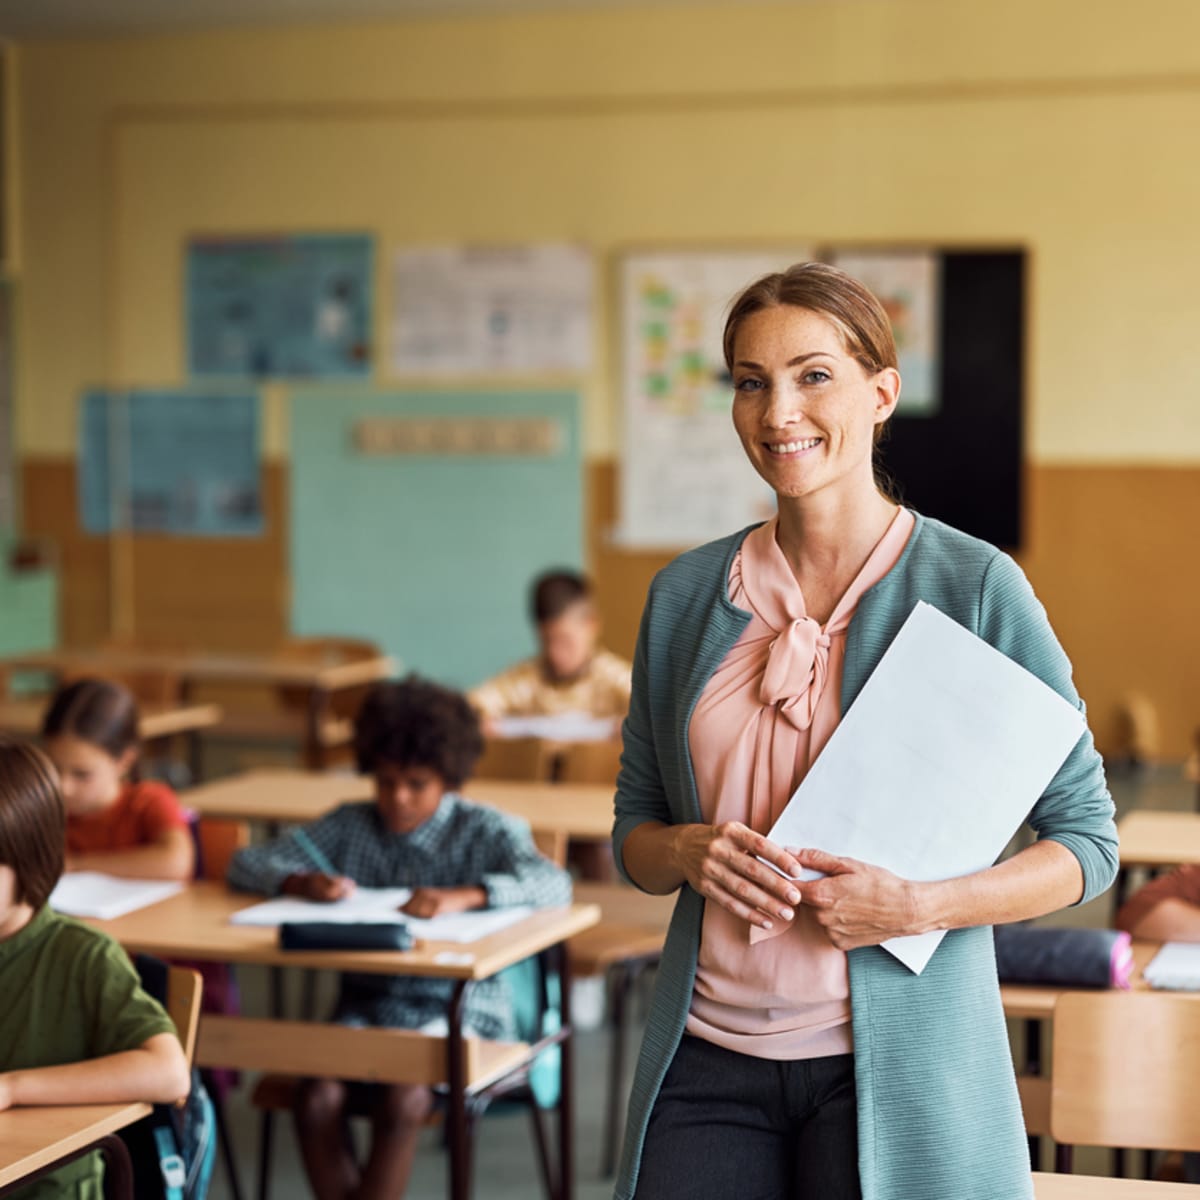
<point>727,1126</point>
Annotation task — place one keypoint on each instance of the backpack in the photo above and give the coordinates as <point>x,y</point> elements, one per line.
<point>173,1150</point>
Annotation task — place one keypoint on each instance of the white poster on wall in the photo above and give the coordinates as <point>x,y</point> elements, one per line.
<point>908,285</point>
<point>491,310</point>
<point>684,476</point>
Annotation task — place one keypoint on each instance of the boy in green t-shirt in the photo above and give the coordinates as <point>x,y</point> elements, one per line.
<point>75,1025</point>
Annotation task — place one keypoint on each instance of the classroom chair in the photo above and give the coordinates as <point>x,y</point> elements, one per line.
<point>523,759</point>
<point>589,762</point>
<point>1124,1071</point>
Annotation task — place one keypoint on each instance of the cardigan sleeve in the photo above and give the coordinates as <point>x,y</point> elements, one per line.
<point>641,796</point>
<point>1076,809</point>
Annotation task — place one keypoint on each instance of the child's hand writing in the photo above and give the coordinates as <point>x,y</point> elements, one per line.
<point>316,885</point>
<point>430,901</point>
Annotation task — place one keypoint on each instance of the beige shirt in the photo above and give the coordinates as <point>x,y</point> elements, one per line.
<point>602,690</point>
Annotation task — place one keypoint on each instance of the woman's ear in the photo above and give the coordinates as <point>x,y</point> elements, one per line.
<point>887,393</point>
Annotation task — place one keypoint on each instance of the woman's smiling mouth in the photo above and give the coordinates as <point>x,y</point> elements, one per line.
<point>784,449</point>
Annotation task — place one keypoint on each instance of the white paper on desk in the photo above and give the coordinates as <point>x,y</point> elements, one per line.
<point>381,906</point>
<point>935,765</point>
<point>1176,967</point>
<point>557,727</point>
<point>94,894</point>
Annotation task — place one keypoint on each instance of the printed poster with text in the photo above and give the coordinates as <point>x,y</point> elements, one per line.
<point>684,476</point>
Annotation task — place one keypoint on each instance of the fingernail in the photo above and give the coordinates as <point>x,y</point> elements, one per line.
<point>786,914</point>
<point>793,896</point>
<point>767,924</point>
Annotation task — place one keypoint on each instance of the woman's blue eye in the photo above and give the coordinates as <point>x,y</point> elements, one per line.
<point>818,376</point>
<point>747,385</point>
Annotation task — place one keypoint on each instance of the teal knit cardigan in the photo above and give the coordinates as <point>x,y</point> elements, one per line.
<point>938,1113</point>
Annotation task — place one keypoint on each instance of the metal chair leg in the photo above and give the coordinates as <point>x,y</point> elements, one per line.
<point>227,1154</point>
<point>266,1132</point>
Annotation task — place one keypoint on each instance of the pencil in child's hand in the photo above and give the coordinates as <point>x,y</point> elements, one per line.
<point>314,853</point>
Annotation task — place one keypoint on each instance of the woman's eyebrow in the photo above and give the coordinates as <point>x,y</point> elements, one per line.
<point>792,362</point>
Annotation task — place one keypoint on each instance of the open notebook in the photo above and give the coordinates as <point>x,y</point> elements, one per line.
<point>104,897</point>
<point>1176,967</point>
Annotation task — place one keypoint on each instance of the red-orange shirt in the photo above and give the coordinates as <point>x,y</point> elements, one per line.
<point>139,816</point>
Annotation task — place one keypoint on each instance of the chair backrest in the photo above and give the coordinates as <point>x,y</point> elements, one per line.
<point>217,840</point>
<point>552,844</point>
<point>184,988</point>
<point>1124,1070</point>
<point>521,759</point>
<point>589,762</point>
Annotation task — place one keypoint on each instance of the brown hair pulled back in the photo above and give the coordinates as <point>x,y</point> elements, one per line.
<point>33,822</point>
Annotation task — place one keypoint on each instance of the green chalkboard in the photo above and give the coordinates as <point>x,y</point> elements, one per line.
<point>430,555</point>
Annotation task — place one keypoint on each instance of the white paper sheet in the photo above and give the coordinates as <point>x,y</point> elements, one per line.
<point>1175,967</point>
<point>381,906</point>
<point>559,727</point>
<point>93,894</point>
<point>935,765</point>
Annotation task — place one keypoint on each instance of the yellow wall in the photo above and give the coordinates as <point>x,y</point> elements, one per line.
<point>1062,125</point>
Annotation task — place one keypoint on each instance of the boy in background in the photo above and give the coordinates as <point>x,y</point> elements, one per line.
<point>572,673</point>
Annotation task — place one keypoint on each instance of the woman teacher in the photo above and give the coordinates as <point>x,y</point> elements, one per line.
<point>786,1055</point>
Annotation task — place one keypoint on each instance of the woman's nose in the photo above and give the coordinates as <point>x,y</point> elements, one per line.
<point>782,408</point>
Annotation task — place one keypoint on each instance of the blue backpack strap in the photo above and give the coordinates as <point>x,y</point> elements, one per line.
<point>170,1162</point>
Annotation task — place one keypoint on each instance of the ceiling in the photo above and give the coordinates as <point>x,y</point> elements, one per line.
<point>22,19</point>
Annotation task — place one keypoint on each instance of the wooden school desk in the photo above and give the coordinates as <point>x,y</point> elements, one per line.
<point>157,721</point>
<point>1091,1187</point>
<point>580,810</point>
<point>321,680</point>
<point>195,925</point>
<point>35,1140</point>
<point>1156,839</point>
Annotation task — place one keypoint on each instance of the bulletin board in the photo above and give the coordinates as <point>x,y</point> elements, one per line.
<point>954,450</point>
<point>426,541</point>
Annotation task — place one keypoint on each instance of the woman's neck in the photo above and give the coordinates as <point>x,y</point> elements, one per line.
<point>829,536</point>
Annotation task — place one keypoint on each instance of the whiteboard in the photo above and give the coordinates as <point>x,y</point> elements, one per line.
<point>684,477</point>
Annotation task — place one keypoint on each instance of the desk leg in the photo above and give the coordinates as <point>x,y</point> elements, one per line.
<point>566,1081</point>
<point>314,749</point>
<point>457,1134</point>
<point>1033,1066</point>
<point>1121,887</point>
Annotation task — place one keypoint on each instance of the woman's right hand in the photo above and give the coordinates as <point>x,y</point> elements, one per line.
<point>316,885</point>
<point>721,863</point>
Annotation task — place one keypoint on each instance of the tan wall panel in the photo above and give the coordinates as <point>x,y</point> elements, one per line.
<point>1111,553</point>
<point>215,593</point>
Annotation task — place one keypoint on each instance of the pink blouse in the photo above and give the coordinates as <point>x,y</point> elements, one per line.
<point>757,728</point>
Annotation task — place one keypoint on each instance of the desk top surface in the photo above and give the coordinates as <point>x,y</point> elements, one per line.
<point>270,668</point>
<point>580,810</point>
<point>156,720</point>
<point>1152,838</point>
<point>194,924</point>
<point>33,1138</point>
<point>1037,1000</point>
<point>1091,1187</point>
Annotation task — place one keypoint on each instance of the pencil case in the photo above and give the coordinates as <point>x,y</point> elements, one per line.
<point>333,935</point>
<point>1068,957</point>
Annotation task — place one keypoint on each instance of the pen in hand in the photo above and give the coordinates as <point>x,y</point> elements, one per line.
<point>327,884</point>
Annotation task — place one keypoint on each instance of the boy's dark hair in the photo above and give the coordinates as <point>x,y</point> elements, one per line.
<point>33,821</point>
<point>555,591</point>
<point>418,723</point>
<point>96,711</point>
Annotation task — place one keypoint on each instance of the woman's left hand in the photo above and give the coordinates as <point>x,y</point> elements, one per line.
<point>858,904</point>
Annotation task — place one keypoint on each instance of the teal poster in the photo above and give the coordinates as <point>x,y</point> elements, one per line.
<point>289,307</point>
<point>170,462</point>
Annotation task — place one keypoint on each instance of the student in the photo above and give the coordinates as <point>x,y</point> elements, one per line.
<point>1166,909</point>
<point>114,825</point>
<point>420,742</point>
<point>75,1025</point>
<point>572,673</point>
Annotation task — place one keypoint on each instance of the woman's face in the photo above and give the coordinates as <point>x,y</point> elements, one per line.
<point>806,411</point>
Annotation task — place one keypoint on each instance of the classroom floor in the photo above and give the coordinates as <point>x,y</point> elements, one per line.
<point>505,1165</point>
